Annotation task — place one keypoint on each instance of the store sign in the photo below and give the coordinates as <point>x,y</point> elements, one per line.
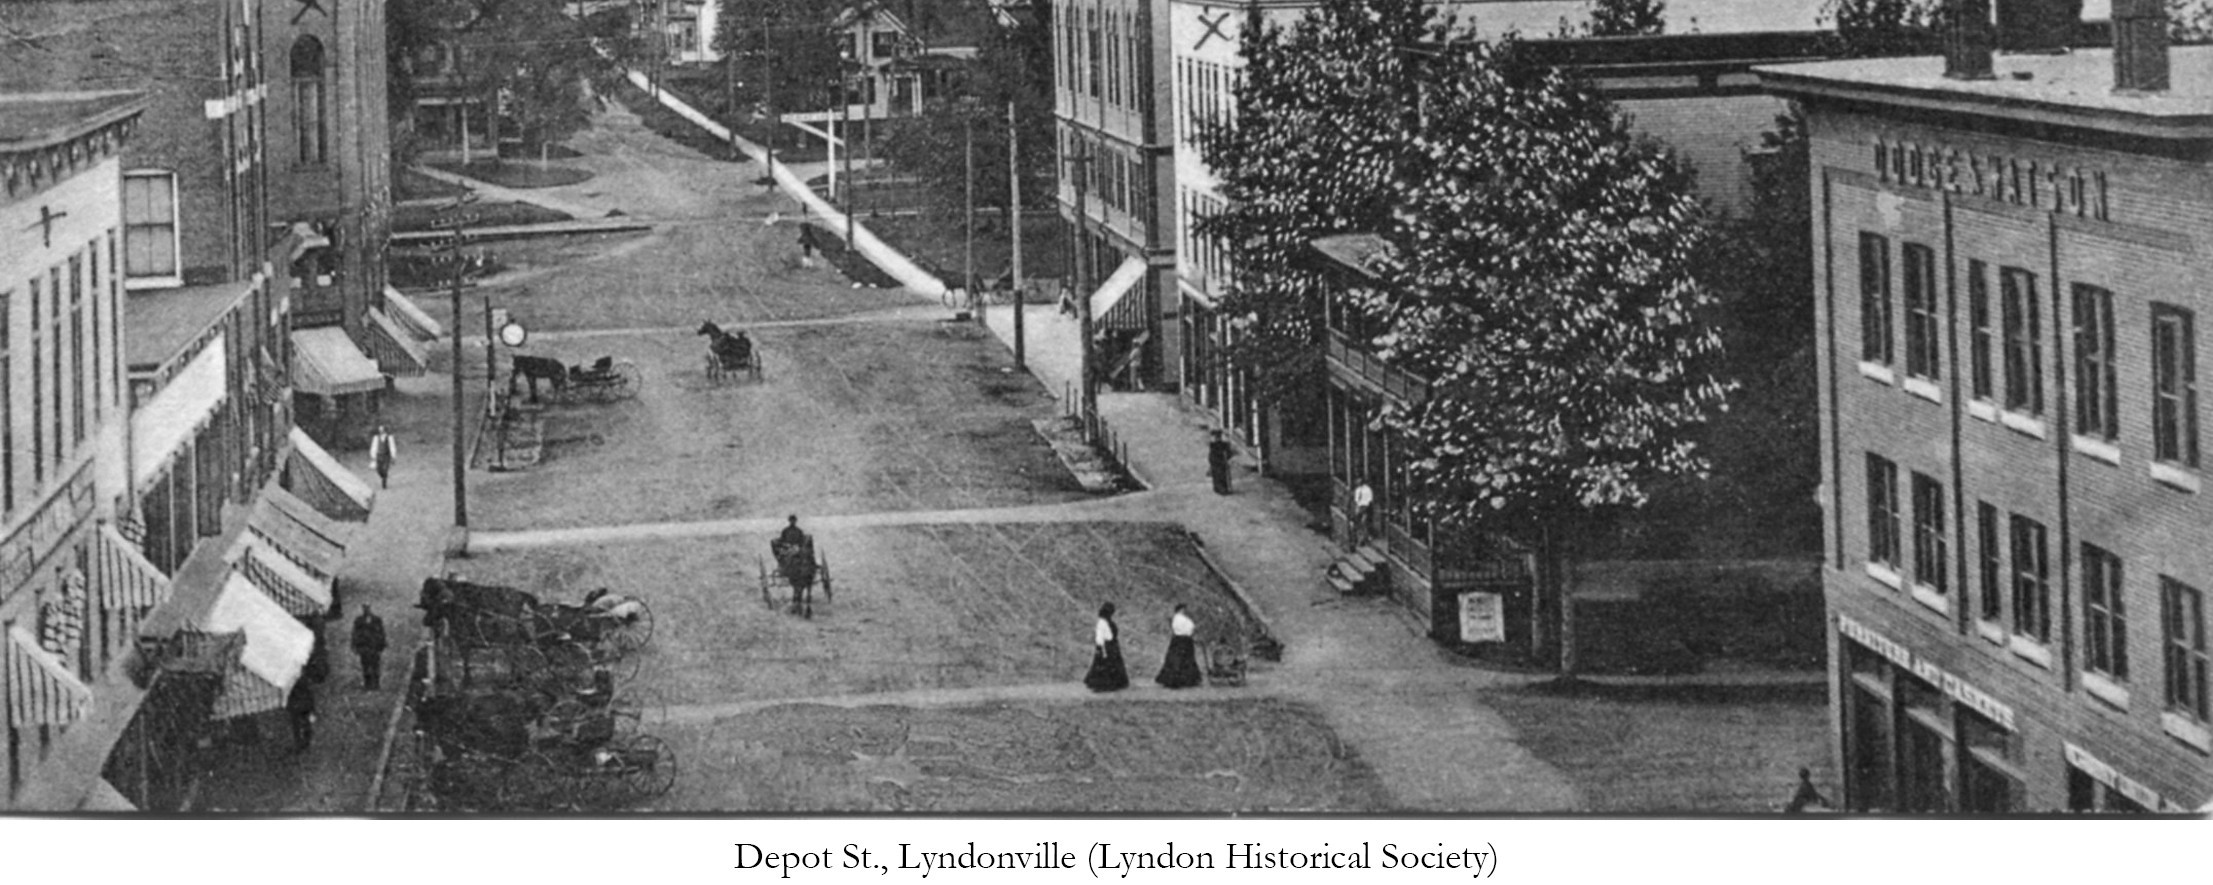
<point>1482,617</point>
<point>1926,670</point>
<point>2104,774</point>
<point>45,529</point>
<point>2041,184</point>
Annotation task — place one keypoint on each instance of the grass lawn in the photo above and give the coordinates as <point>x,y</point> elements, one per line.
<point>937,245</point>
<point>1176,757</point>
<point>520,174</point>
<point>1676,749</point>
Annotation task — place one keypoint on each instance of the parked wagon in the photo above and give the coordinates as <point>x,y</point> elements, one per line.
<point>603,380</point>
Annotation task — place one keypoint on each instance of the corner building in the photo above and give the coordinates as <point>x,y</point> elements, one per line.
<point>2012,264</point>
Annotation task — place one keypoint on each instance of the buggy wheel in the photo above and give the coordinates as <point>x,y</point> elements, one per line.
<point>628,380</point>
<point>632,633</point>
<point>569,661</point>
<point>647,766</point>
<point>822,574</point>
<point>768,591</point>
<point>753,366</point>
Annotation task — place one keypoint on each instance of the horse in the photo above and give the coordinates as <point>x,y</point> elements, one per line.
<point>535,368</point>
<point>726,351</point>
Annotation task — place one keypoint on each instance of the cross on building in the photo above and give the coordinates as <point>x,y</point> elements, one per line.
<point>46,219</point>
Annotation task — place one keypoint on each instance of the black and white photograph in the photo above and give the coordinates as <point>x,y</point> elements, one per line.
<point>1176,412</point>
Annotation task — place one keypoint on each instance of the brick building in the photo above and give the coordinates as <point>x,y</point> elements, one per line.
<point>205,367</point>
<point>66,614</point>
<point>2011,258</point>
<point>328,164</point>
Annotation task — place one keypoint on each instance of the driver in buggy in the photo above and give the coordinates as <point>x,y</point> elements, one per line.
<point>598,369</point>
<point>735,350</point>
<point>792,539</point>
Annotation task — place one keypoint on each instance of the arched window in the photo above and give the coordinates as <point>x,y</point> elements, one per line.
<point>307,100</point>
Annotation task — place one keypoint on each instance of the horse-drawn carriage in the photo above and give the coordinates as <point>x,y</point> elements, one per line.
<point>513,637</point>
<point>511,750</point>
<point>603,380</point>
<point>797,566</point>
<point>730,353</point>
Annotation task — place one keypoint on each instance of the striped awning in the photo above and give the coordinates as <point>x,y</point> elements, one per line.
<point>395,350</point>
<point>127,580</point>
<point>325,529</point>
<point>317,478</point>
<point>326,363</point>
<point>276,649</point>
<point>1111,306</point>
<point>404,310</point>
<point>302,547</point>
<point>41,690</point>
<point>300,594</point>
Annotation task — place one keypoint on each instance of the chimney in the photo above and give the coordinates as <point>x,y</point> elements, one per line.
<point>2139,46</point>
<point>2038,25</point>
<point>1968,40</point>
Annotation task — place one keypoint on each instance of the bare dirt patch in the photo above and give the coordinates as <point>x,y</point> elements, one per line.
<point>916,607</point>
<point>1122,756</point>
<point>848,418</point>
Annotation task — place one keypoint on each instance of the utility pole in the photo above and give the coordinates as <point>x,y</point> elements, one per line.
<point>1086,398</point>
<point>1014,210</point>
<point>845,134</point>
<point>968,184</point>
<point>768,110</point>
<point>458,223</point>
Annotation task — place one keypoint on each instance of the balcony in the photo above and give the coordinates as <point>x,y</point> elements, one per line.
<point>1357,368</point>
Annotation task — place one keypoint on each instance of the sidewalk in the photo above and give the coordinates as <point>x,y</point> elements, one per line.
<point>384,566</point>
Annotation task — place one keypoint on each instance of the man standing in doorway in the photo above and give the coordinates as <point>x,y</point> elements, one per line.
<point>1218,455</point>
<point>368,645</point>
<point>382,452</point>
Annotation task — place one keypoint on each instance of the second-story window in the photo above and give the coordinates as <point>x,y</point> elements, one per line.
<point>2104,619</point>
<point>150,226</point>
<point>1980,332</point>
<point>1990,569</point>
<point>2182,627</point>
<point>1922,312</point>
<point>308,119</point>
<point>1875,346</point>
<point>1930,559</point>
<point>2174,386</point>
<point>2095,413</point>
<point>1882,512</point>
<point>2024,341</point>
<point>2031,581</point>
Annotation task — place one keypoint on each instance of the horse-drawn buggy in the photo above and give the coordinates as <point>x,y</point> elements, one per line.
<point>515,750</point>
<point>603,380</point>
<point>730,354</point>
<point>515,638</point>
<point>524,710</point>
<point>799,567</point>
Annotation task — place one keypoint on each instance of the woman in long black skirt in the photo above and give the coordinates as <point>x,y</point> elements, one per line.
<point>1181,669</point>
<point>1107,672</point>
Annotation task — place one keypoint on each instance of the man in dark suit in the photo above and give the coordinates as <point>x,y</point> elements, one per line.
<point>1218,455</point>
<point>368,645</point>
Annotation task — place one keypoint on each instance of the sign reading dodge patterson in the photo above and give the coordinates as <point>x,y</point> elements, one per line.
<point>1482,618</point>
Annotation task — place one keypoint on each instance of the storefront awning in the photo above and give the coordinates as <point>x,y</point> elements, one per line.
<point>404,310</point>
<point>319,539</point>
<point>41,690</point>
<point>304,238</point>
<point>396,351</point>
<point>1112,293</point>
<point>127,580</point>
<point>161,428</point>
<point>276,649</point>
<point>326,363</point>
<point>317,478</point>
<point>300,594</point>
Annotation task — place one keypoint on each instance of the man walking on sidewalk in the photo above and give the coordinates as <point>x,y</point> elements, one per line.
<point>300,708</point>
<point>1218,454</point>
<point>368,645</point>
<point>382,452</point>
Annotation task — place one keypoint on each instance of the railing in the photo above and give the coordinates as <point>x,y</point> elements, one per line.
<point>1097,432</point>
<point>1364,368</point>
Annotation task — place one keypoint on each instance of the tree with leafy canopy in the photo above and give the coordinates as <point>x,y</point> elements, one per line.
<point>786,53</point>
<point>1877,28</point>
<point>528,58</point>
<point>1015,65</point>
<point>1541,275</point>
<point>2190,21</point>
<point>1626,18</point>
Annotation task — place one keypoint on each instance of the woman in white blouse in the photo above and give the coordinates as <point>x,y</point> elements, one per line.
<point>1107,672</point>
<point>1181,669</point>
